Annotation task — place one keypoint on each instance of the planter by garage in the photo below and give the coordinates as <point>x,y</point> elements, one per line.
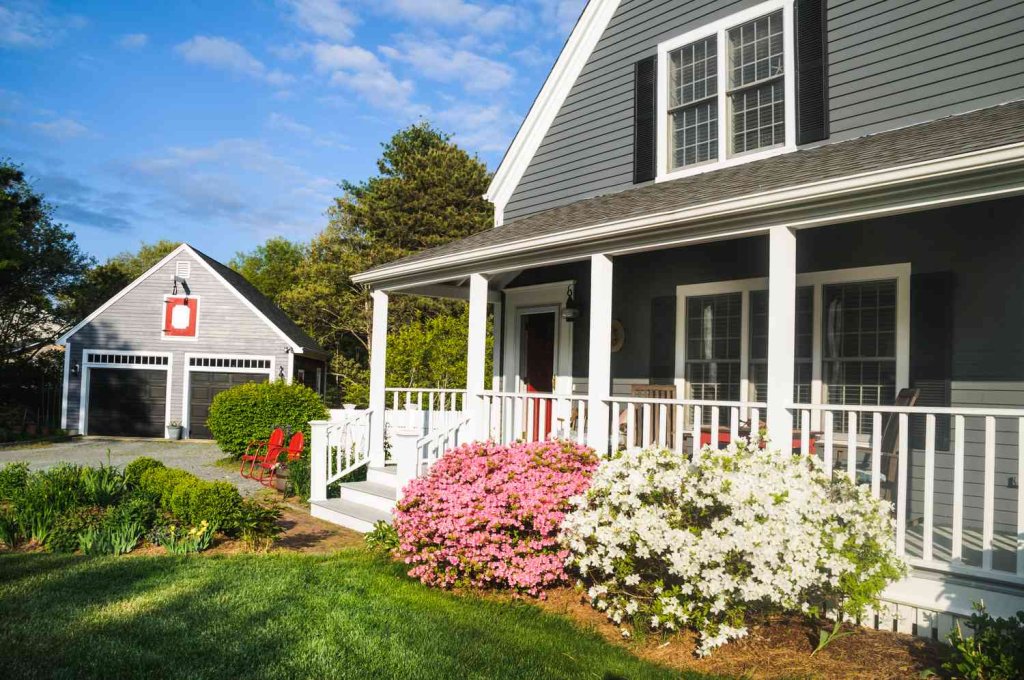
<point>281,479</point>
<point>174,432</point>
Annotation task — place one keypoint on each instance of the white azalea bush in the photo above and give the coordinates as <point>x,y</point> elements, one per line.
<point>663,542</point>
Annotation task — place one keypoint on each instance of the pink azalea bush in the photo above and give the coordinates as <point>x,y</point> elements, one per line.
<point>488,515</point>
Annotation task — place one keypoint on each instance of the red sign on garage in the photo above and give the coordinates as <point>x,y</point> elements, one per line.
<point>181,317</point>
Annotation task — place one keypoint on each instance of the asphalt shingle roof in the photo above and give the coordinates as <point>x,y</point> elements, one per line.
<point>261,302</point>
<point>954,135</point>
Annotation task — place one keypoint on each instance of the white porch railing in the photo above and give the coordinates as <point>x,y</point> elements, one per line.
<point>953,474</point>
<point>679,424</point>
<point>534,416</point>
<point>338,447</point>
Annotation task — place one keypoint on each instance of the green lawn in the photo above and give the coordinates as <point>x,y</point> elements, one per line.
<point>348,615</point>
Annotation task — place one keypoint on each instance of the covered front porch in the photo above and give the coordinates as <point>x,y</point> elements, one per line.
<point>855,302</point>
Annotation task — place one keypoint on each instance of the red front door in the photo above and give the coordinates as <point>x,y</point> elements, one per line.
<point>537,368</point>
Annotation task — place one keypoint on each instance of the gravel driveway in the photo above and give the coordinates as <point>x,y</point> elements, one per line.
<point>197,457</point>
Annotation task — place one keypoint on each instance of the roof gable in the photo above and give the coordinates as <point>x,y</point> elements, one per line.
<point>246,293</point>
<point>574,55</point>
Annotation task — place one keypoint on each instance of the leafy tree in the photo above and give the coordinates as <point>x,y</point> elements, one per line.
<point>40,263</point>
<point>428,191</point>
<point>272,267</point>
<point>135,264</point>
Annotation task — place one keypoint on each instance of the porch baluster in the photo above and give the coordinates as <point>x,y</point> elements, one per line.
<point>696,429</point>
<point>734,423</point>
<point>876,454</point>
<point>957,549</point>
<point>630,425</point>
<point>929,486</point>
<point>646,425</point>
<point>901,488</point>
<point>828,443</point>
<point>1020,497</point>
<point>851,446</point>
<point>988,523</point>
<point>714,427</point>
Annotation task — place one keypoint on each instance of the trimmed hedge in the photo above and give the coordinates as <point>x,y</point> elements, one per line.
<point>191,499</point>
<point>133,470</point>
<point>252,411</point>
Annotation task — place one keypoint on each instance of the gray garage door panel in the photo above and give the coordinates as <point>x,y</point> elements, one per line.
<point>203,387</point>
<point>127,402</point>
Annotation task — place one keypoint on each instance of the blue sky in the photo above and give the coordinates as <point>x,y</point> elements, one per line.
<point>225,123</point>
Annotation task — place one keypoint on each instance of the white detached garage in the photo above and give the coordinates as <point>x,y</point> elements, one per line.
<point>161,349</point>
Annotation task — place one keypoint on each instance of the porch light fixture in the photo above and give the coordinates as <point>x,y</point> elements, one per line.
<point>76,368</point>
<point>571,310</point>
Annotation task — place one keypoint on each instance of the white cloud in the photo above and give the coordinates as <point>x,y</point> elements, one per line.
<point>61,129</point>
<point>326,18</point>
<point>283,123</point>
<point>479,128</point>
<point>25,24</point>
<point>133,41</point>
<point>561,14</point>
<point>436,60</point>
<point>361,71</point>
<point>457,13</point>
<point>227,55</point>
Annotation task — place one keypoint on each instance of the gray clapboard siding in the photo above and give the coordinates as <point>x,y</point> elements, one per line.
<point>891,64</point>
<point>134,323</point>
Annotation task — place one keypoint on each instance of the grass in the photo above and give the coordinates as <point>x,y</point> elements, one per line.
<point>348,615</point>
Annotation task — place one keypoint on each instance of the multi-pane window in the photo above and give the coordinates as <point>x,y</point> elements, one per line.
<point>713,344</point>
<point>757,371</point>
<point>693,103</point>
<point>757,84</point>
<point>859,342</point>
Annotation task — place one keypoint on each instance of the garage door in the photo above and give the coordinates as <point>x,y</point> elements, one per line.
<point>203,387</point>
<point>127,402</point>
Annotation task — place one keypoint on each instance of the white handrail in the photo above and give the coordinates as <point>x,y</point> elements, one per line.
<point>679,424</point>
<point>347,445</point>
<point>533,416</point>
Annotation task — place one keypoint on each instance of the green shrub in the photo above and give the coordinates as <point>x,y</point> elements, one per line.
<point>69,525</point>
<point>258,524</point>
<point>298,478</point>
<point>252,411</point>
<point>382,539</point>
<point>10,530</point>
<point>137,508</point>
<point>133,471</point>
<point>13,479</point>
<point>102,485</point>
<point>161,482</point>
<point>994,652</point>
<point>198,500</point>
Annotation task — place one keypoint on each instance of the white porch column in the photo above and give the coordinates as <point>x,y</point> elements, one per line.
<point>600,368</point>
<point>378,368</point>
<point>496,347</point>
<point>476,355</point>
<point>318,460</point>
<point>781,332</point>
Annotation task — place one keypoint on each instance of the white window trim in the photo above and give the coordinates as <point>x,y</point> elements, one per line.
<point>720,28</point>
<point>189,369</point>
<point>163,316</point>
<point>816,280</point>
<point>83,398</point>
<point>536,298</point>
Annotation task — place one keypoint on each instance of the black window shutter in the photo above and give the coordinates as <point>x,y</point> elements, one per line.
<point>811,71</point>
<point>644,118</point>
<point>931,351</point>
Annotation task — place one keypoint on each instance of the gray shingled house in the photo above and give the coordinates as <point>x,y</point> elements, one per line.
<point>162,348</point>
<point>803,215</point>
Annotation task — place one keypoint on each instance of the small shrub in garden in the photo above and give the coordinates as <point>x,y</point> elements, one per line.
<point>13,479</point>
<point>995,651</point>
<point>382,539</point>
<point>133,471</point>
<point>252,411</point>
<point>160,483</point>
<point>257,524</point>
<point>10,530</point>
<point>664,543</point>
<point>179,540</point>
<point>101,485</point>
<point>298,478</point>
<point>196,500</point>
<point>72,522</point>
<point>487,515</point>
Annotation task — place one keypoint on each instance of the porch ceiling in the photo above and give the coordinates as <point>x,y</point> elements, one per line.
<point>956,159</point>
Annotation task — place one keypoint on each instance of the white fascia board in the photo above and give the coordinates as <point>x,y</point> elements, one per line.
<point>244,300</point>
<point>581,43</point>
<point>767,201</point>
<point>124,291</point>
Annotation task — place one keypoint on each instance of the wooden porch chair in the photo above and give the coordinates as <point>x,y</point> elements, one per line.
<point>652,392</point>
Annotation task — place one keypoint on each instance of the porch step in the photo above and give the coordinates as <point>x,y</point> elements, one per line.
<point>379,496</point>
<point>354,516</point>
<point>382,475</point>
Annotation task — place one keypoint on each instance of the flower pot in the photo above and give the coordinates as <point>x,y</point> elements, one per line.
<point>174,432</point>
<point>281,479</point>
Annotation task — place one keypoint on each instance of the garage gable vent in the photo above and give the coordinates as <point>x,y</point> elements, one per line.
<point>228,362</point>
<point>110,359</point>
<point>182,269</point>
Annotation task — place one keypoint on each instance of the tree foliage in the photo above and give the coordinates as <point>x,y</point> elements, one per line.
<point>428,191</point>
<point>102,282</point>
<point>40,263</point>
<point>272,267</point>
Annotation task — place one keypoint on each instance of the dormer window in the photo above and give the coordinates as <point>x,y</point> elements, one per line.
<point>725,92</point>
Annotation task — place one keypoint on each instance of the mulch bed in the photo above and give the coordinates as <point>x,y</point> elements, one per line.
<point>777,647</point>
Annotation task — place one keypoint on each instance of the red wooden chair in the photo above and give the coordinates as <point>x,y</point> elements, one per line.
<point>271,462</point>
<point>295,446</point>
<point>257,450</point>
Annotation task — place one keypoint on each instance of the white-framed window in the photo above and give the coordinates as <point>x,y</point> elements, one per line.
<point>726,92</point>
<point>852,337</point>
